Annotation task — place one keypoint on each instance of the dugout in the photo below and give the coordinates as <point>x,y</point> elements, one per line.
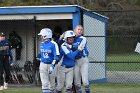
<point>27,21</point>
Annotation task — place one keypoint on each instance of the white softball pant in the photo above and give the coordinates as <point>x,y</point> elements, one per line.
<point>81,72</point>
<point>65,77</point>
<point>47,80</point>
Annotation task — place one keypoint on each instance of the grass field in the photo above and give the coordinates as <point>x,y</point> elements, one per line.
<point>132,57</point>
<point>95,88</point>
<point>128,62</point>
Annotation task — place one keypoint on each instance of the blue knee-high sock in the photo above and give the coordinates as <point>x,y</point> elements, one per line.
<point>87,89</point>
<point>79,90</point>
<point>59,92</point>
<point>54,91</point>
<point>46,91</point>
<point>68,90</point>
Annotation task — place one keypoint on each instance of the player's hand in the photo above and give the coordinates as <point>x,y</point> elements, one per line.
<point>70,46</point>
<point>51,69</point>
<point>11,63</point>
<point>80,48</point>
<point>62,36</point>
<point>67,45</point>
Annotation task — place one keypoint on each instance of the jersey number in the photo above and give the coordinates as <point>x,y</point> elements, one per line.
<point>45,55</point>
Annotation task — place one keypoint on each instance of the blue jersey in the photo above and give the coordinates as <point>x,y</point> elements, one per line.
<point>5,48</point>
<point>49,51</point>
<point>60,42</point>
<point>67,55</point>
<point>81,40</point>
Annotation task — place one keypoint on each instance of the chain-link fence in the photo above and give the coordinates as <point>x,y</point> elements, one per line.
<point>21,35</point>
<point>122,62</point>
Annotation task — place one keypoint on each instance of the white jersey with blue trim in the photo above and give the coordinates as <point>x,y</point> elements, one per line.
<point>49,51</point>
<point>82,41</point>
<point>67,55</point>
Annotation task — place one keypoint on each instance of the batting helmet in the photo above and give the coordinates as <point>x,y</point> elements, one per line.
<point>46,33</point>
<point>69,33</point>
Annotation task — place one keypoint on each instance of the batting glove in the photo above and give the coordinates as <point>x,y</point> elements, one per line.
<point>54,62</point>
<point>70,46</point>
<point>51,69</point>
<point>80,48</point>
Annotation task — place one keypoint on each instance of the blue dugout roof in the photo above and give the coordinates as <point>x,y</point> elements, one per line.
<point>17,10</point>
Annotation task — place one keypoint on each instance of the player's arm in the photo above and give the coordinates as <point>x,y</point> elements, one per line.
<point>10,53</point>
<point>56,54</point>
<point>60,42</point>
<point>83,42</point>
<point>68,53</point>
<point>11,58</point>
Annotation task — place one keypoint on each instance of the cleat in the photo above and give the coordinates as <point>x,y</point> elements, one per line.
<point>5,85</point>
<point>1,87</point>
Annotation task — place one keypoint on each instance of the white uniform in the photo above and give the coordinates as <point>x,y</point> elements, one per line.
<point>81,67</point>
<point>49,53</point>
<point>46,62</point>
<point>66,69</point>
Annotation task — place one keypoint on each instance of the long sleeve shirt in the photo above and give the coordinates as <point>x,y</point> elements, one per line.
<point>49,51</point>
<point>67,55</point>
<point>5,48</point>
<point>81,40</point>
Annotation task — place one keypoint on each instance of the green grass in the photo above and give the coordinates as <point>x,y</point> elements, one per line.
<point>115,88</point>
<point>22,90</point>
<point>135,57</point>
<point>95,88</point>
<point>129,62</point>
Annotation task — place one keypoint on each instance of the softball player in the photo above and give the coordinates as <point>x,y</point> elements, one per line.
<point>49,54</point>
<point>81,67</point>
<point>68,62</point>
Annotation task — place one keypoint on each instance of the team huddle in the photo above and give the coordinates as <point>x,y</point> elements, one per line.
<point>66,60</point>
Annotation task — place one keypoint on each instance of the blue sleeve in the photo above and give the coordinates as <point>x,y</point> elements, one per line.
<point>60,42</point>
<point>56,52</point>
<point>61,54</point>
<point>75,45</point>
<point>70,54</point>
<point>11,56</point>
